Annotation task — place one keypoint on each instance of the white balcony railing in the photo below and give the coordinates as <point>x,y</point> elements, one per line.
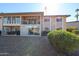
<point>11,20</point>
<point>30,22</point>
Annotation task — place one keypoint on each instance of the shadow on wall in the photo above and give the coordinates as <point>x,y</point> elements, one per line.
<point>0,33</point>
<point>44,33</point>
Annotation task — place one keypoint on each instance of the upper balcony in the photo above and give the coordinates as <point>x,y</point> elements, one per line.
<point>11,21</point>
<point>30,20</point>
<point>20,20</point>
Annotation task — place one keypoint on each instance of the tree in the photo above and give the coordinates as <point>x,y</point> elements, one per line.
<point>77,13</point>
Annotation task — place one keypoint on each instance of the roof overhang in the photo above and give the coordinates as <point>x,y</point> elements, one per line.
<point>59,15</point>
<point>20,13</point>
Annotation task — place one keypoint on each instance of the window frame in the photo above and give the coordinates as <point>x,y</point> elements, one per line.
<point>58,19</point>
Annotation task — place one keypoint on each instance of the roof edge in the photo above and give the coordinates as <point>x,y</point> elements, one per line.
<point>19,12</point>
<point>58,15</point>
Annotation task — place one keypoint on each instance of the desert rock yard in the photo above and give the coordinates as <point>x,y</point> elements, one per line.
<point>25,46</point>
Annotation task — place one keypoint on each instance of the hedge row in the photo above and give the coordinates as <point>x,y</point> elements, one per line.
<point>63,41</point>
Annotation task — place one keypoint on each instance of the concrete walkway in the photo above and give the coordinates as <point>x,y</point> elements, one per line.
<point>25,46</point>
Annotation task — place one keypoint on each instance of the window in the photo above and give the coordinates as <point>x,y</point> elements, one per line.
<point>33,30</point>
<point>46,20</point>
<point>7,20</point>
<point>59,19</point>
<point>31,21</point>
<point>4,20</point>
<point>15,20</point>
<point>24,21</point>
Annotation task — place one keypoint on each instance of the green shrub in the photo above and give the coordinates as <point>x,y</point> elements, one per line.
<point>70,29</point>
<point>76,32</point>
<point>63,41</point>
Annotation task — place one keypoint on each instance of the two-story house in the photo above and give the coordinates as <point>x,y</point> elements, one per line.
<point>30,23</point>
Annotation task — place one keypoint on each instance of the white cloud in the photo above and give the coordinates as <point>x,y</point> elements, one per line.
<point>51,8</point>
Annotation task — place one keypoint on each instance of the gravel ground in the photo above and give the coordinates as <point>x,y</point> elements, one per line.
<point>25,46</point>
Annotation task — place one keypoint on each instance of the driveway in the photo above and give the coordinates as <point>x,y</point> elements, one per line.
<point>25,46</point>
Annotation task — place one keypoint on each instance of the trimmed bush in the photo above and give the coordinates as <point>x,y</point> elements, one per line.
<point>64,42</point>
<point>70,29</point>
<point>76,32</point>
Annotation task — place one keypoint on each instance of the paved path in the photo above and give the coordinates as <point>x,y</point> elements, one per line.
<point>25,46</point>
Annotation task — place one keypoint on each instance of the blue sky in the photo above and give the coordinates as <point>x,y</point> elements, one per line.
<point>65,8</point>
<point>19,7</point>
<point>69,8</point>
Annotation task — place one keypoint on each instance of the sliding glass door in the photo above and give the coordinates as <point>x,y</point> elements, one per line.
<point>11,30</point>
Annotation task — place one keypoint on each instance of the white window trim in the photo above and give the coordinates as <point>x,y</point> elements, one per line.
<point>40,25</point>
<point>50,23</point>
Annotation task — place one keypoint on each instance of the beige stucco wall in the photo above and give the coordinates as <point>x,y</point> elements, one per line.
<point>64,23</point>
<point>73,24</point>
<point>53,24</point>
<point>61,24</point>
<point>46,24</point>
<point>41,22</point>
<point>0,23</point>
